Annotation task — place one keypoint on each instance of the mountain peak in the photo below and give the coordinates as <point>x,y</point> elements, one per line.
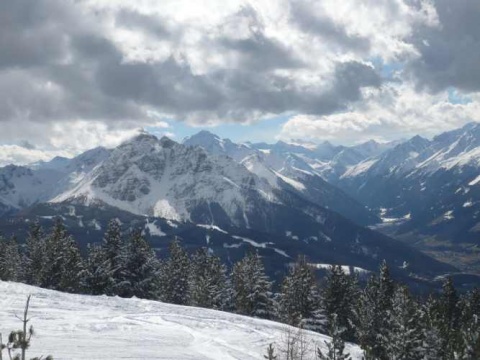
<point>206,133</point>
<point>202,136</point>
<point>417,140</point>
<point>205,139</point>
<point>142,136</point>
<point>166,142</point>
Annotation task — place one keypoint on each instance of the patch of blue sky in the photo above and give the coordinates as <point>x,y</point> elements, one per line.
<point>386,70</point>
<point>456,97</point>
<point>265,130</point>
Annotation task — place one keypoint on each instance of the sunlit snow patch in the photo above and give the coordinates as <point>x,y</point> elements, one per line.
<point>154,229</point>
<point>212,227</point>
<point>346,269</point>
<point>163,209</point>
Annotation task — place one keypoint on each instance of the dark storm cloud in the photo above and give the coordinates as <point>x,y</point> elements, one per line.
<point>276,94</point>
<point>450,53</point>
<point>326,28</point>
<point>28,36</point>
<point>56,64</point>
<point>260,53</point>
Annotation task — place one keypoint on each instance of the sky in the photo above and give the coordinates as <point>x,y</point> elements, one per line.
<point>75,74</point>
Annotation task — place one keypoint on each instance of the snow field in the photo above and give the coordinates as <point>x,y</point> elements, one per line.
<point>99,327</point>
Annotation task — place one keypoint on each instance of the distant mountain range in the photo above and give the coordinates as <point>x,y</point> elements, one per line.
<point>283,199</point>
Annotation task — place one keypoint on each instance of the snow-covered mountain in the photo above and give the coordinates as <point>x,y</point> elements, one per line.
<point>162,178</point>
<point>92,327</point>
<point>22,186</point>
<point>286,166</point>
<point>266,201</point>
<point>434,184</point>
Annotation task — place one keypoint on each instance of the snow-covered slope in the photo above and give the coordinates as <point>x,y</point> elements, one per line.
<point>22,186</point>
<point>99,327</point>
<point>404,157</point>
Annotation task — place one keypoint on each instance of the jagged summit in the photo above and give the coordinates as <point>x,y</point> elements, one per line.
<point>142,136</point>
<point>166,142</point>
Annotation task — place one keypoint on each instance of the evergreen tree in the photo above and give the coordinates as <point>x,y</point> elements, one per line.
<point>139,270</point>
<point>73,267</point>
<point>299,303</point>
<point>105,262</point>
<point>336,346</point>
<point>470,340</point>
<point>404,333</point>
<point>10,261</point>
<point>99,277</point>
<point>35,255</point>
<point>208,283</point>
<point>371,314</point>
<point>386,287</point>
<point>448,320</point>
<point>112,248</point>
<point>252,293</point>
<point>340,295</point>
<point>469,346</point>
<point>431,334</point>
<point>53,259</point>
<point>63,263</point>
<point>174,275</point>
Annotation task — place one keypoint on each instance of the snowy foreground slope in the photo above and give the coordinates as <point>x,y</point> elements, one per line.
<point>99,327</point>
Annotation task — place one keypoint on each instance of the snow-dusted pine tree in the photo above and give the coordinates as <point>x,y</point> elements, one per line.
<point>208,283</point>
<point>431,333</point>
<point>469,345</point>
<point>140,269</point>
<point>449,320</point>
<point>54,256</point>
<point>336,347</point>
<point>339,297</point>
<point>34,257</point>
<point>99,275</point>
<point>299,300</point>
<point>113,247</point>
<point>252,289</point>
<point>174,275</point>
<point>72,266</point>
<point>10,260</point>
<point>404,333</point>
<point>371,314</point>
<point>106,261</point>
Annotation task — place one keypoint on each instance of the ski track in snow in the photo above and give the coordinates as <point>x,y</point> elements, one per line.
<point>99,327</point>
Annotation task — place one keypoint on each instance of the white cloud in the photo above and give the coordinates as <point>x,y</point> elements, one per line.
<point>87,73</point>
<point>392,112</point>
<point>61,139</point>
<point>18,155</point>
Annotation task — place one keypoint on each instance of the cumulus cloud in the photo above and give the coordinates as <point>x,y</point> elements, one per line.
<point>392,112</point>
<point>93,61</point>
<point>19,155</point>
<point>98,67</point>
<point>450,48</point>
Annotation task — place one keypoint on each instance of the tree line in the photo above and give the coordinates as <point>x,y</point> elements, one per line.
<point>383,317</point>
